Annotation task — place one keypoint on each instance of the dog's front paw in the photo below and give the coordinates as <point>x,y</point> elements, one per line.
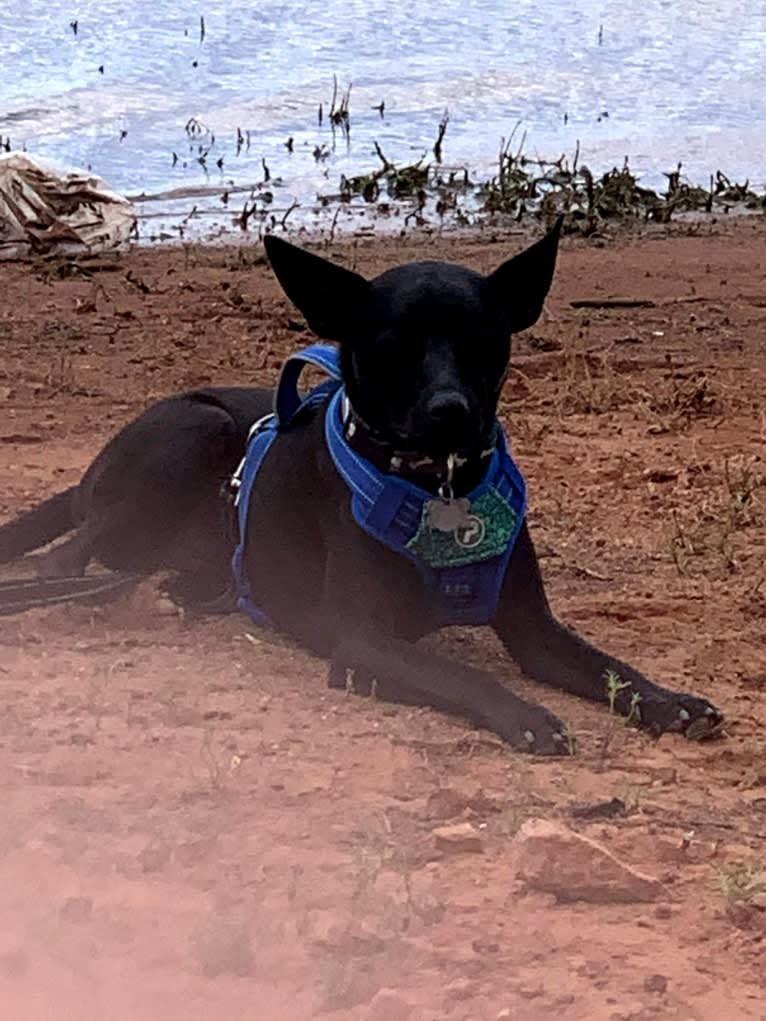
<point>695,718</point>
<point>533,729</point>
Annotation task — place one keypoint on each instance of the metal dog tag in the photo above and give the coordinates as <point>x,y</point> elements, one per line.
<point>449,515</point>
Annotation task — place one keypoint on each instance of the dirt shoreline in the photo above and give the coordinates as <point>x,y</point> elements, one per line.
<point>194,827</point>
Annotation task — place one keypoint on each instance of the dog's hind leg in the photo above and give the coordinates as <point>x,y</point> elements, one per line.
<point>548,651</point>
<point>70,558</point>
<point>37,527</point>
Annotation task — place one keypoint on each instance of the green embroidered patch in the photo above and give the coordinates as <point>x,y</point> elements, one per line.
<point>485,534</point>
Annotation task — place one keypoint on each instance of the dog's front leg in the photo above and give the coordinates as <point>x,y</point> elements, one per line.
<point>402,672</point>
<point>550,652</point>
<point>368,618</point>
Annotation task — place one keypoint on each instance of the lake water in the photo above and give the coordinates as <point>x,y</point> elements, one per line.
<point>655,80</point>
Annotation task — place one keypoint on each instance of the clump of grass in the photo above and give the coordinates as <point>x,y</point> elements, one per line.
<point>60,374</point>
<point>682,397</point>
<point>707,534</point>
<point>589,385</point>
<point>739,882</point>
<point>744,481</point>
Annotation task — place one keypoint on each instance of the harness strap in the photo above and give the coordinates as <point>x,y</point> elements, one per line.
<point>287,403</point>
<point>379,500</point>
<point>391,511</point>
<point>287,400</point>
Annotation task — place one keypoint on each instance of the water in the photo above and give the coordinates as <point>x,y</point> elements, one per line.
<point>668,81</point>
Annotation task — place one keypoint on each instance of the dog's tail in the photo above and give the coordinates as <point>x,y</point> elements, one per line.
<point>37,527</point>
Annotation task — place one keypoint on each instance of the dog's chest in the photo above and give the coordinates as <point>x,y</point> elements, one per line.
<point>460,547</point>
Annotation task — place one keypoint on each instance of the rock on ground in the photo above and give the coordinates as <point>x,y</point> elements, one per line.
<point>388,1005</point>
<point>459,838</point>
<point>555,859</point>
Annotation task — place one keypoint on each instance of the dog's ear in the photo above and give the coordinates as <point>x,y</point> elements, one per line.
<point>329,296</point>
<point>521,284</point>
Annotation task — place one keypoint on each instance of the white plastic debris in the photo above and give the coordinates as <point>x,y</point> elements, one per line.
<point>47,210</point>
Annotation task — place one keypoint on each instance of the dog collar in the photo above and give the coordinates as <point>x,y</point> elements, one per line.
<point>386,457</point>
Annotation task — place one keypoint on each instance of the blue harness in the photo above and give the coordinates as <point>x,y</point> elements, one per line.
<point>461,548</point>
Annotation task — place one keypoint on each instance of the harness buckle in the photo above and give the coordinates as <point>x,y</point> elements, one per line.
<point>234,484</point>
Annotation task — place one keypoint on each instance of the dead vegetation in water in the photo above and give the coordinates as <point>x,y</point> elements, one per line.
<point>430,193</point>
<point>552,187</point>
<point>525,187</point>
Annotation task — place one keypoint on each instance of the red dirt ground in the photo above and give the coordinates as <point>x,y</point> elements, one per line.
<point>193,827</point>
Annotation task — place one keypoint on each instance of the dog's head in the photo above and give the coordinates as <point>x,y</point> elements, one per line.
<point>424,346</point>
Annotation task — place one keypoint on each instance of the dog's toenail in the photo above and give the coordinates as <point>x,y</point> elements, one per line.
<point>711,711</point>
<point>529,737</point>
<point>684,715</point>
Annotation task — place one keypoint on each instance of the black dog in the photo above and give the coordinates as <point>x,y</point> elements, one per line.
<point>149,502</point>
<point>424,351</point>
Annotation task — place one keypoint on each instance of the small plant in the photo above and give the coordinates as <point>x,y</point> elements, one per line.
<point>195,129</point>
<point>614,685</point>
<point>210,759</point>
<point>440,136</point>
<point>614,688</point>
<point>570,740</point>
<point>60,375</point>
<point>339,109</point>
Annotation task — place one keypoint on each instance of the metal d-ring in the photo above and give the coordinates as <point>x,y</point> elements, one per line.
<point>445,490</point>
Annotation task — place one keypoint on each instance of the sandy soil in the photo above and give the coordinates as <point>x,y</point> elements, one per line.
<point>194,827</point>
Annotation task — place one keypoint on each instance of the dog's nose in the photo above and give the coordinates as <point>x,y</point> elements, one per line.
<point>449,409</point>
